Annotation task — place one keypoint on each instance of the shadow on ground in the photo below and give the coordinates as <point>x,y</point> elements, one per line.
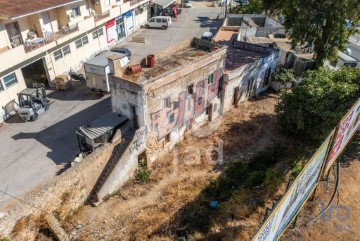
<point>78,91</point>
<point>61,137</point>
<point>206,22</point>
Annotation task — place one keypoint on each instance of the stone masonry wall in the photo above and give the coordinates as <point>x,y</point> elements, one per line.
<point>63,194</point>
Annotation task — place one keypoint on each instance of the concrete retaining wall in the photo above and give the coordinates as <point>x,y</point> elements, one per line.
<point>126,165</point>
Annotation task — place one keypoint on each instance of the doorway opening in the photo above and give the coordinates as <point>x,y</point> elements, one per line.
<point>134,116</point>
<point>236,96</point>
<point>209,112</point>
<point>120,28</point>
<point>142,160</point>
<point>35,73</point>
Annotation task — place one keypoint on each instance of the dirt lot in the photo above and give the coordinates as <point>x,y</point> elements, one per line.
<point>158,210</point>
<point>175,204</point>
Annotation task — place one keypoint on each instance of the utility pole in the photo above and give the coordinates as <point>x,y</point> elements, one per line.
<point>226,6</point>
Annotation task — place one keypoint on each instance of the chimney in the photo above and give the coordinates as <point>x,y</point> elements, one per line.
<point>114,65</point>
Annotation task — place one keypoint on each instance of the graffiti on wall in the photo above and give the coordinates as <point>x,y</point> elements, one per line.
<point>213,88</point>
<point>186,107</point>
<point>138,141</point>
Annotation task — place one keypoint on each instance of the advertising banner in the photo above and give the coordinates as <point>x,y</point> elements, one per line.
<point>129,20</point>
<point>347,128</point>
<point>295,197</point>
<point>110,31</point>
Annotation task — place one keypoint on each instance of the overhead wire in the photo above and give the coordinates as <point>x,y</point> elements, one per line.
<point>333,195</point>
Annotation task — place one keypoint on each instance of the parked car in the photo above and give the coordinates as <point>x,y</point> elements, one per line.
<point>187,4</point>
<point>208,36</point>
<point>348,51</point>
<point>122,50</point>
<point>159,22</point>
<point>243,2</point>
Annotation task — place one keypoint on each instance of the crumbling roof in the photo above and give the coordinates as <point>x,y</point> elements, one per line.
<point>166,60</point>
<point>13,9</point>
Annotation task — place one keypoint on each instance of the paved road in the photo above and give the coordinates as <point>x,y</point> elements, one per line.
<point>354,46</point>
<point>33,152</point>
<point>192,22</point>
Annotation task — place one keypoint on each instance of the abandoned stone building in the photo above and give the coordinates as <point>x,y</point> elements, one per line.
<point>248,68</point>
<point>189,84</point>
<point>261,29</point>
<point>179,94</point>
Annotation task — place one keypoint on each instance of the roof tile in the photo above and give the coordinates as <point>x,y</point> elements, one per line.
<point>16,8</point>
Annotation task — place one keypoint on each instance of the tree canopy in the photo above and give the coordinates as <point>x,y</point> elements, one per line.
<point>317,104</point>
<point>254,6</point>
<point>283,75</point>
<point>318,24</point>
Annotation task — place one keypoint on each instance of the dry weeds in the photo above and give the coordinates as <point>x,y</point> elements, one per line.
<point>150,211</point>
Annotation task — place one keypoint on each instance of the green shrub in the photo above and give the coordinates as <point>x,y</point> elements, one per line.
<point>316,105</point>
<point>142,173</point>
<point>257,171</point>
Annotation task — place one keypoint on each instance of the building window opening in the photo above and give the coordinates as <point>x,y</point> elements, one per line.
<point>58,54</point>
<point>190,89</point>
<point>76,11</point>
<point>10,80</point>
<point>211,79</point>
<point>167,138</point>
<point>66,50</point>
<point>166,102</point>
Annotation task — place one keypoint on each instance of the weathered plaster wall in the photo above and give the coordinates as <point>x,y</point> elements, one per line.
<point>248,81</point>
<point>186,111</point>
<point>126,165</point>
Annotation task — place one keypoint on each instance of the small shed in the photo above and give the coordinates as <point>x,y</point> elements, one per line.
<point>99,131</point>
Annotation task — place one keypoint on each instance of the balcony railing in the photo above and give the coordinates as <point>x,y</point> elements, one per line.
<point>49,37</point>
<point>102,15</point>
<point>16,41</point>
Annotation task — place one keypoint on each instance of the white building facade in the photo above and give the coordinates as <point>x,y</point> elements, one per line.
<point>41,40</point>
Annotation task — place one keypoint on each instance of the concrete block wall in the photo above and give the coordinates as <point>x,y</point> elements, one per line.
<point>265,31</point>
<point>75,184</point>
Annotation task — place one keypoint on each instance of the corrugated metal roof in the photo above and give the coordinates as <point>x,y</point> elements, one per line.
<point>102,125</point>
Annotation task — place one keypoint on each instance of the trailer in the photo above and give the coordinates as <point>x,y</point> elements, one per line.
<point>97,71</point>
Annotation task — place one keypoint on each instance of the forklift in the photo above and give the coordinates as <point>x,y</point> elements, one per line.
<point>32,102</point>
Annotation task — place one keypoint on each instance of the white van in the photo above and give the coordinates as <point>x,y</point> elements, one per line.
<point>159,22</point>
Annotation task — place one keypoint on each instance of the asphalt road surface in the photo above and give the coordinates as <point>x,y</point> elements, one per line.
<point>354,46</point>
